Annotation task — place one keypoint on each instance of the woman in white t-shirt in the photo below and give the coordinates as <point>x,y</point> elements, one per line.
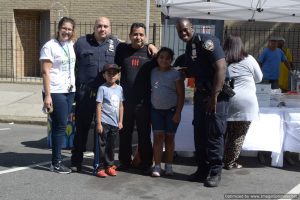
<point>243,106</point>
<point>57,59</point>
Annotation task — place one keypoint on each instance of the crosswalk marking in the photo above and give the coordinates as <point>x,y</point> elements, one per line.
<point>88,154</point>
<point>293,192</point>
<point>4,129</point>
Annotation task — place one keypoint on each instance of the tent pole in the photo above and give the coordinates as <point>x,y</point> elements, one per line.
<point>165,31</point>
<point>147,18</point>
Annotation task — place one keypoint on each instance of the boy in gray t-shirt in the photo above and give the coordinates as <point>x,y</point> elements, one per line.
<point>109,119</point>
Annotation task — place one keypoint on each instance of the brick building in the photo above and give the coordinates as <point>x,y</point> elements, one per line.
<point>26,25</point>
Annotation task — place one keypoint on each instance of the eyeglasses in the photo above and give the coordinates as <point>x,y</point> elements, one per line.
<point>66,29</point>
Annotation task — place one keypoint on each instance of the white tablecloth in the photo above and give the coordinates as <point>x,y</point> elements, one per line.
<point>184,138</point>
<point>292,130</point>
<point>266,134</point>
<point>277,130</point>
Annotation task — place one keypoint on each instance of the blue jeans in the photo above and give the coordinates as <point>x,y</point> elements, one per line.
<point>62,107</point>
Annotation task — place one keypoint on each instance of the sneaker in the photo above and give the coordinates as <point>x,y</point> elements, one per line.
<point>147,171</point>
<point>261,157</point>
<point>234,165</point>
<point>288,158</point>
<point>60,168</point>
<point>111,171</point>
<point>212,181</point>
<point>123,167</point>
<point>75,168</point>
<point>101,173</point>
<point>197,177</point>
<point>156,171</point>
<point>169,170</point>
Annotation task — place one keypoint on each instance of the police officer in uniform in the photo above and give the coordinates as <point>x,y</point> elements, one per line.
<point>206,63</point>
<point>93,51</point>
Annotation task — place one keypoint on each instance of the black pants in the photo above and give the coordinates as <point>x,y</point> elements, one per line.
<point>209,130</point>
<point>104,155</point>
<point>84,114</point>
<point>138,115</point>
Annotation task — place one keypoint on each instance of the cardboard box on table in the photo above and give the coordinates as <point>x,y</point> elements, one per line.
<point>263,93</point>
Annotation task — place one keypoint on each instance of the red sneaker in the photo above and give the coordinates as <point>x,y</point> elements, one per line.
<point>101,173</point>
<point>111,171</point>
<point>114,167</point>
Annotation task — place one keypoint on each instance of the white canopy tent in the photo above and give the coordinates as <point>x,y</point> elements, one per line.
<point>241,10</point>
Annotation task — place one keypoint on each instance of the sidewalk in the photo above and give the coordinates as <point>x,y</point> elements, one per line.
<point>21,103</point>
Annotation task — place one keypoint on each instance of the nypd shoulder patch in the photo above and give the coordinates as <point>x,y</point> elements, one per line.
<point>208,45</point>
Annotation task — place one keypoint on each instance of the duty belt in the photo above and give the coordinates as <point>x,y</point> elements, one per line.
<point>202,89</point>
<point>87,88</point>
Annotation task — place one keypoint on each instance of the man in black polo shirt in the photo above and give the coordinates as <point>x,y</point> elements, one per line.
<point>136,66</point>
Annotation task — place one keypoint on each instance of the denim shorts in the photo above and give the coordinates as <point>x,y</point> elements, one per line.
<point>162,120</point>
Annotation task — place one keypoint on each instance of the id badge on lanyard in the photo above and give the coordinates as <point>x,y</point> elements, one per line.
<point>67,53</point>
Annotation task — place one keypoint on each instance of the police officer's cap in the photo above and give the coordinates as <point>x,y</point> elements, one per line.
<point>111,66</point>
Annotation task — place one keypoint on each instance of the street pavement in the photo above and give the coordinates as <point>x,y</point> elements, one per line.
<point>21,103</point>
<point>24,175</point>
<point>25,159</point>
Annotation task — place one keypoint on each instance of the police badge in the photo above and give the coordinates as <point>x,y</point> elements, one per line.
<point>110,45</point>
<point>208,45</point>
